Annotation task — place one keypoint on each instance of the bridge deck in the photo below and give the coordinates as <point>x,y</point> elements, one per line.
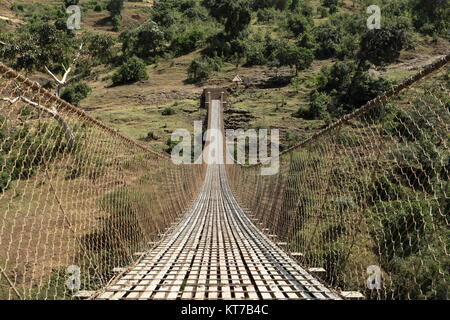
<point>216,252</point>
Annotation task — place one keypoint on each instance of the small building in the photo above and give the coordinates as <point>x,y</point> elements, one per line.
<point>237,80</point>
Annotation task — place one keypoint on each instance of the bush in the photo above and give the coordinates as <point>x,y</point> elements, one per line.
<point>267,15</point>
<point>171,144</point>
<point>115,7</point>
<point>330,3</point>
<point>134,69</point>
<point>294,56</point>
<point>328,39</point>
<point>317,109</point>
<point>68,3</point>
<point>201,68</point>
<point>100,46</point>
<point>38,44</point>
<point>145,42</point>
<point>255,54</point>
<point>380,46</point>
<point>24,149</point>
<point>419,276</point>
<point>299,24</point>
<point>188,41</point>
<point>431,16</point>
<point>323,12</point>
<point>75,92</point>
<point>116,23</point>
<point>168,111</point>
<point>339,36</point>
<point>364,89</point>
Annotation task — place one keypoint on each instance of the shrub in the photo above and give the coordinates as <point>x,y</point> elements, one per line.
<point>267,15</point>
<point>294,56</point>
<point>339,36</point>
<point>171,144</point>
<point>299,24</point>
<point>134,69</point>
<point>234,14</point>
<point>115,7</point>
<point>168,111</point>
<point>255,55</point>
<point>37,44</point>
<point>116,23</point>
<point>317,109</point>
<point>68,3</point>
<point>323,12</point>
<point>201,68</point>
<point>187,41</point>
<point>419,276</point>
<point>100,46</point>
<point>24,149</point>
<point>363,89</point>
<point>431,16</point>
<point>75,92</point>
<point>402,225</point>
<point>330,3</point>
<point>328,39</point>
<point>335,77</point>
<point>145,42</point>
<point>380,46</point>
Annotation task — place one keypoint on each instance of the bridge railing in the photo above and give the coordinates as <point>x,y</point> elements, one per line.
<point>367,199</point>
<point>77,199</point>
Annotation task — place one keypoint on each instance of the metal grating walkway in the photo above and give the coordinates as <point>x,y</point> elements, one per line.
<point>216,252</point>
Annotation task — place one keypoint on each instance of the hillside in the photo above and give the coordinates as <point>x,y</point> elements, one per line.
<point>272,99</point>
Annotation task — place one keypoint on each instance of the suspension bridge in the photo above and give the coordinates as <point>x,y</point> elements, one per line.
<point>87,212</point>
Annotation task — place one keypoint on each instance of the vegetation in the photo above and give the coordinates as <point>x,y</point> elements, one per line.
<point>315,60</point>
<point>132,70</point>
<point>115,7</point>
<point>24,149</point>
<point>75,92</point>
<point>201,68</point>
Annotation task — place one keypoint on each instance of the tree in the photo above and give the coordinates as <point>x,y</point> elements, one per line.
<point>294,56</point>
<point>201,68</point>
<point>115,7</point>
<point>298,24</point>
<point>146,41</point>
<point>65,80</point>
<point>36,45</point>
<point>349,86</point>
<point>331,4</point>
<point>68,3</point>
<point>187,41</point>
<point>100,46</point>
<point>134,69</point>
<point>431,16</point>
<point>234,14</point>
<point>328,39</point>
<point>380,46</point>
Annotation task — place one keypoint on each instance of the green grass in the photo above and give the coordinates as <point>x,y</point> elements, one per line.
<point>136,121</point>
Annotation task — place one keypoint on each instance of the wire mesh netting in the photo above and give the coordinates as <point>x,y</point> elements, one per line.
<point>77,199</point>
<point>368,198</point>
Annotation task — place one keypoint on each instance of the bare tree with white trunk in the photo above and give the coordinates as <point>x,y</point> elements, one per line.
<point>65,80</point>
